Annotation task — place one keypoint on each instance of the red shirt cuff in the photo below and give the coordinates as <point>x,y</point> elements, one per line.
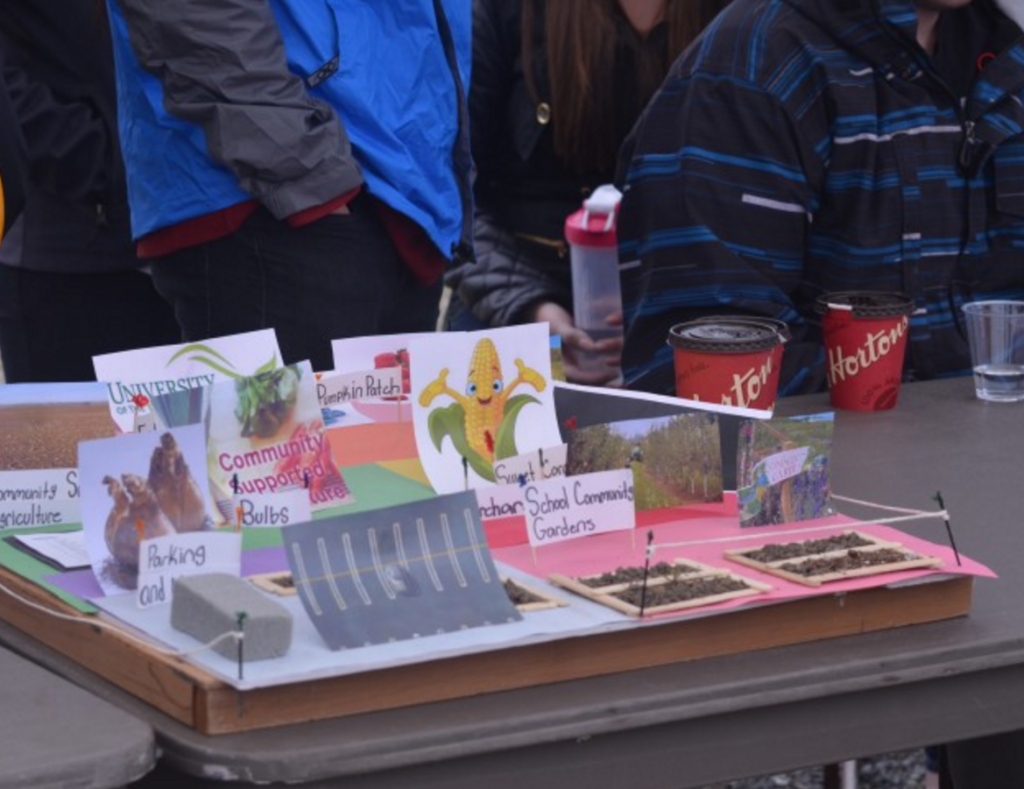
<point>310,215</point>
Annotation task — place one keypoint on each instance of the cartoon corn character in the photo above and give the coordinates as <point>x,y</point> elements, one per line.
<point>486,410</point>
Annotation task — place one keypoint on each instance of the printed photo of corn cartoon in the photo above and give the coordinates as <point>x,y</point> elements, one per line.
<point>482,422</point>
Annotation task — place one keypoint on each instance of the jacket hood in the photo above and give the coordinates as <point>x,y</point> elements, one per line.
<point>840,17</point>
<point>1013,9</point>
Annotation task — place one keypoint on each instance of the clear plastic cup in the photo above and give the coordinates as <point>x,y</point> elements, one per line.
<point>995,330</point>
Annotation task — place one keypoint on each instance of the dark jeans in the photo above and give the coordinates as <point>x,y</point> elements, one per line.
<point>994,762</point>
<point>52,323</point>
<point>338,277</point>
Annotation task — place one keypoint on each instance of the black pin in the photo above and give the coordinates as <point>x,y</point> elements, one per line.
<point>305,479</point>
<point>647,567</point>
<point>242,616</point>
<point>234,483</point>
<point>949,528</point>
<point>465,474</point>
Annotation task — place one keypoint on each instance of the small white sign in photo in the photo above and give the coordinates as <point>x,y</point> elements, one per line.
<point>783,465</point>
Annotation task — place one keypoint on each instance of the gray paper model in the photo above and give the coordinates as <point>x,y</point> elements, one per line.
<point>392,574</point>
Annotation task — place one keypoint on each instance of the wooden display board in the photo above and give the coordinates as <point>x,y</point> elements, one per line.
<point>195,698</point>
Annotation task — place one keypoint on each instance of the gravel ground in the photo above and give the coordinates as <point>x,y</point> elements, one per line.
<point>904,770</point>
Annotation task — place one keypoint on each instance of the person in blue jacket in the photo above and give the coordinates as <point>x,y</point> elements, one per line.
<point>297,164</point>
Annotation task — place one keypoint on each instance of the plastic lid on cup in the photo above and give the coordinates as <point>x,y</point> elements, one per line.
<point>594,224</point>
<point>866,303</point>
<point>728,334</point>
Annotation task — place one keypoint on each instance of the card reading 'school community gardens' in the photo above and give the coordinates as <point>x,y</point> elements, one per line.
<point>171,368</point>
<point>480,397</point>
<point>140,486</point>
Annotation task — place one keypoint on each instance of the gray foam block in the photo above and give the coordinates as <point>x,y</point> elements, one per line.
<point>205,606</point>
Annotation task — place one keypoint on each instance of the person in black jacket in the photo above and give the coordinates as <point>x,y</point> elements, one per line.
<point>808,146</point>
<point>12,160</point>
<point>70,284</point>
<point>556,87</point>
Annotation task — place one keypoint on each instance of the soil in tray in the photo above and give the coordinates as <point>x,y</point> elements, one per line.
<point>791,550</point>
<point>625,575</point>
<point>851,560</point>
<point>680,590</point>
<point>520,596</point>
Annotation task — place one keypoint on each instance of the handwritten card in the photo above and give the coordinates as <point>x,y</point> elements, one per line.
<point>273,510</point>
<point>30,499</point>
<point>531,466</point>
<point>333,390</point>
<point>500,501</point>
<point>162,559</point>
<point>565,508</point>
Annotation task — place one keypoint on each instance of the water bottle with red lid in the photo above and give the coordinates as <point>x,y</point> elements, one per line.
<point>594,256</point>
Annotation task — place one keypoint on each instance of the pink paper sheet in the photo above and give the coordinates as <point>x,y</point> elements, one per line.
<point>704,533</point>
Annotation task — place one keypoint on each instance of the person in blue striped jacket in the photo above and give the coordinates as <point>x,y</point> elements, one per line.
<point>806,146</point>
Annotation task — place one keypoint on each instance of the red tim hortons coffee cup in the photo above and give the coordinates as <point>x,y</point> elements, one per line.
<point>729,360</point>
<point>865,337</point>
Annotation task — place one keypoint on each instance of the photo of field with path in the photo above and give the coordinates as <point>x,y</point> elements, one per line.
<point>675,460</point>
<point>40,435</point>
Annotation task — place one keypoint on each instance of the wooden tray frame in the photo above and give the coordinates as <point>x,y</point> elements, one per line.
<point>605,595</point>
<point>192,696</point>
<point>268,583</point>
<point>545,602</point>
<point>775,567</point>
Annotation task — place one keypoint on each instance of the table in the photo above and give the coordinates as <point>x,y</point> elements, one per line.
<point>691,724</point>
<point>53,734</point>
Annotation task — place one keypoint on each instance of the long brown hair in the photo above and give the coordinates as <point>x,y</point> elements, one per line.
<point>580,51</point>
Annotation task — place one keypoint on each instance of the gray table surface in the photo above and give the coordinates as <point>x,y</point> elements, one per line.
<point>692,724</point>
<point>54,734</point>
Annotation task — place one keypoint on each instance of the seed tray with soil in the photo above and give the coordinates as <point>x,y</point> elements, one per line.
<point>527,599</point>
<point>814,569</point>
<point>671,586</point>
<point>280,583</point>
<point>624,576</point>
<point>774,552</point>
